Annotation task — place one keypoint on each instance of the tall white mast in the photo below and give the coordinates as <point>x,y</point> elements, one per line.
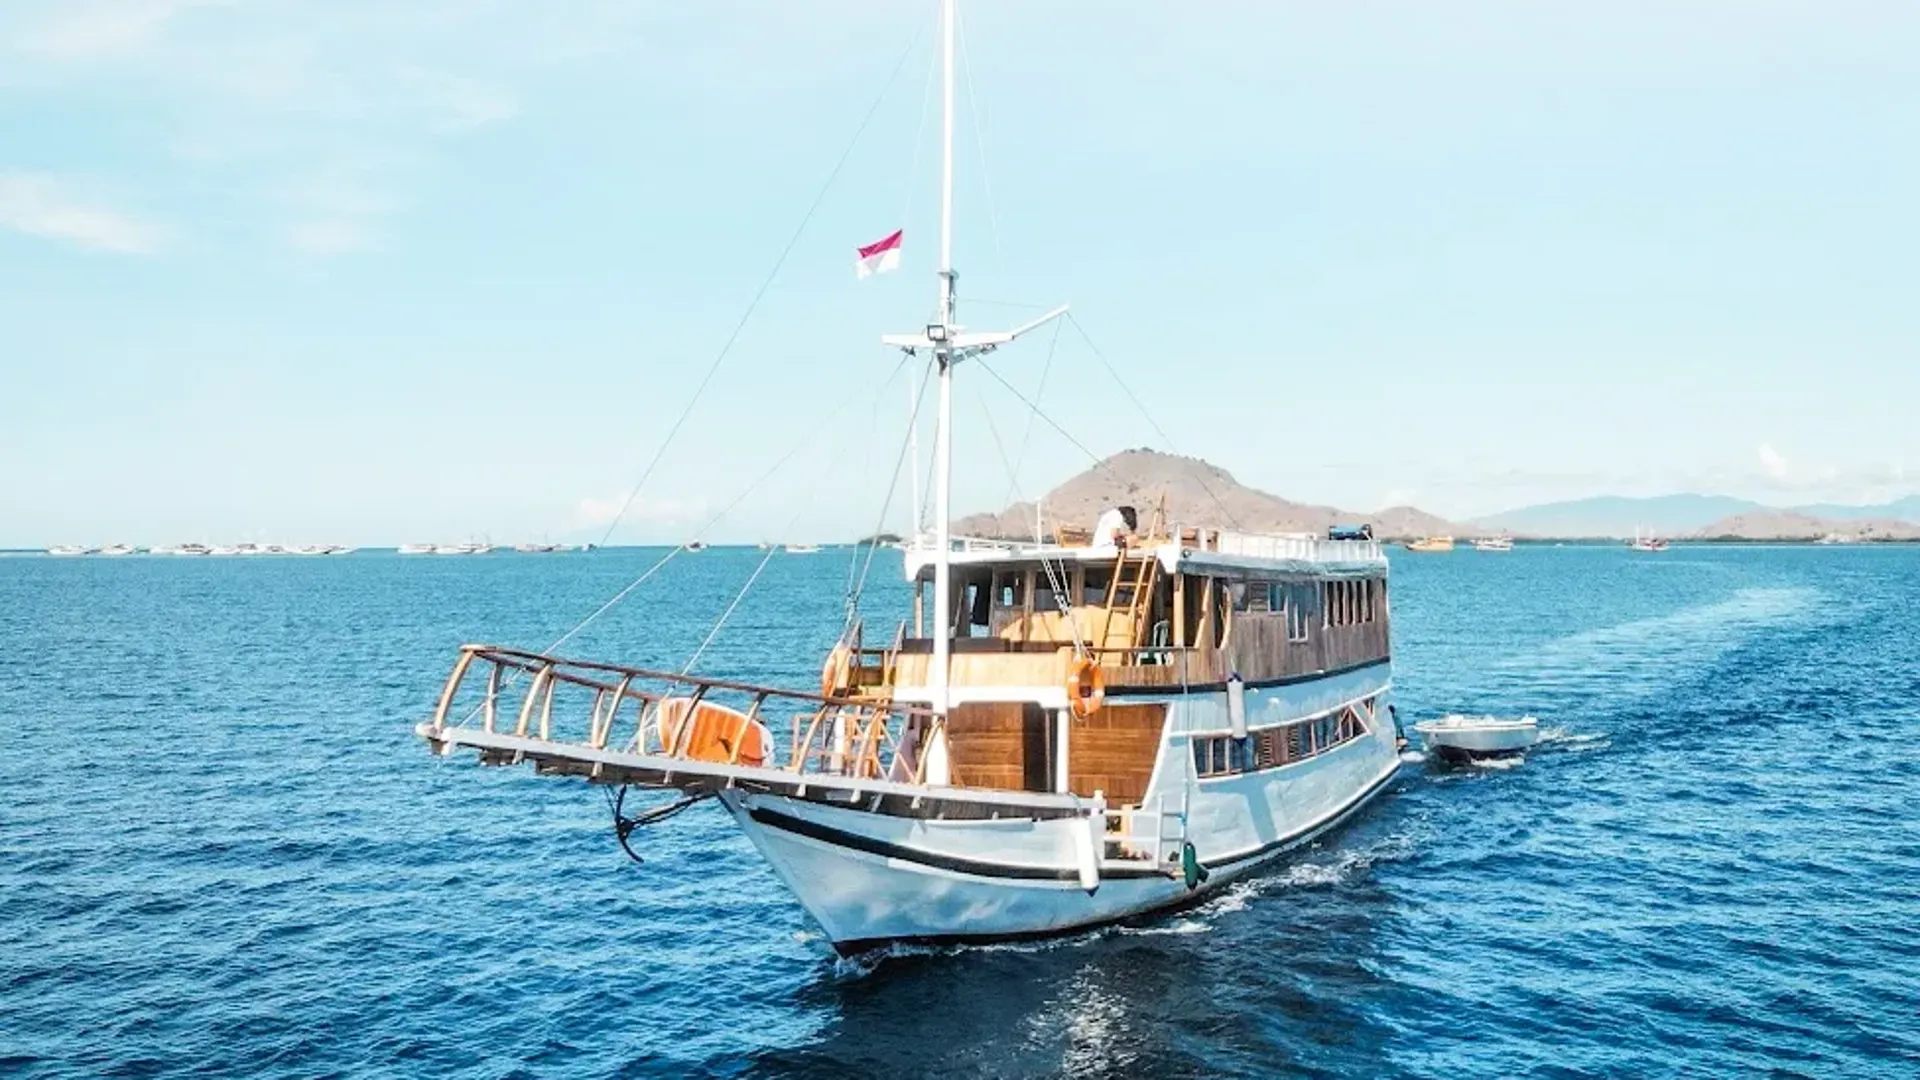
<point>937,771</point>
<point>949,347</point>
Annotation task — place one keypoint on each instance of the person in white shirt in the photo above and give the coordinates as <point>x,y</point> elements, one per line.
<point>1115,526</point>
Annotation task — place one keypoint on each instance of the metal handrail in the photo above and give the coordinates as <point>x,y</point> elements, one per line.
<point>613,685</point>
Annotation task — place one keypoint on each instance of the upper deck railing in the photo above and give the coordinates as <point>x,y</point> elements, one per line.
<point>548,703</point>
<point>1290,547</point>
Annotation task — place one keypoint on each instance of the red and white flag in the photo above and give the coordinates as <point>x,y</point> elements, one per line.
<point>880,256</point>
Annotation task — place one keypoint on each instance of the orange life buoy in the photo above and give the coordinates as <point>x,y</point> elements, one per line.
<point>837,671</point>
<point>1086,686</point>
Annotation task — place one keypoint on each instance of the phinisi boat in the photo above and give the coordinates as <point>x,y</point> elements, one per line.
<point>1056,736</point>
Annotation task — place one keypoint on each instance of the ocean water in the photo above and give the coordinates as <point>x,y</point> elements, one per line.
<point>223,852</point>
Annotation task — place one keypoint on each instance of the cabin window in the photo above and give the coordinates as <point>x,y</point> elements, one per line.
<point>1094,590</point>
<point>1259,597</point>
<point>1220,755</point>
<point>1350,603</point>
<point>1300,601</point>
<point>1241,593</point>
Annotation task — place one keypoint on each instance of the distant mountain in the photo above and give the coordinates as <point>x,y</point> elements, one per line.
<point>1907,509</point>
<point>1197,494</point>
<point>1767,524</point>
<point>1619,515</point>
<point>1676,515</point>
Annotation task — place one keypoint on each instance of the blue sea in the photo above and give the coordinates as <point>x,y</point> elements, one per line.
<point>223,851</point>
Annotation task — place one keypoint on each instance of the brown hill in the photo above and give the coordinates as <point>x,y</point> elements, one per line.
<point>1197,493</point>
<point>1789,525</point>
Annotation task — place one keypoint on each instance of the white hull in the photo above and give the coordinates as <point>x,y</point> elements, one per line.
<point>872,878</point>
<point>1455,737</point>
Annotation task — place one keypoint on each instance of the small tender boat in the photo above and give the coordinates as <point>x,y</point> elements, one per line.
<point>415,549</point>
<point>1464,738</point>
<point>695,545</point>
<point>1431,543</point>
<point>69,550</point>
<point>802,549</point>
<point>1493,543</point>
<point>117,549</point>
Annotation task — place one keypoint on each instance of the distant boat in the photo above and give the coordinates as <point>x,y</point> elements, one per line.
<point>415,549</point>
<point>1432,543</point>
<point>1493,543</point>
<point>117,549</point>
<point>802,549</point>
<point>223,549</point>
<point>471,547</point>
<point>1836,538</point>
<point>66,550</point>
<point>1648,542</point>
<point>695,545</point>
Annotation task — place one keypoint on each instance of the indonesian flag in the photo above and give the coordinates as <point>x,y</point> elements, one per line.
<point>880,256</point>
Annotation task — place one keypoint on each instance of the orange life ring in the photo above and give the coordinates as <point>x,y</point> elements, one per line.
<point>1086,686</point>
<point>837,671</point>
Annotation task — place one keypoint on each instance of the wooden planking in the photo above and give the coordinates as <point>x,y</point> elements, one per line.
<point>1002,744</point>
<point>1113,751</point>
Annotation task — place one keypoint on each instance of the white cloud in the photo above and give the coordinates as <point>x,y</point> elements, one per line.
<point>256,99</point>
<point>92,29</point>
<point>41,205</point>
<point>599,513</point>
<point>1771,463</point>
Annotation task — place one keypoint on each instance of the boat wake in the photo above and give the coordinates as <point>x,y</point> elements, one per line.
<point>1642,657</point>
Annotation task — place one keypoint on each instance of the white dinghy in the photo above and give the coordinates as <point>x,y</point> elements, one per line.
<point>1464,738</point>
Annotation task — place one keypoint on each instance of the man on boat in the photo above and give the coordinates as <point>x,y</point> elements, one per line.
<point>1115,526</point>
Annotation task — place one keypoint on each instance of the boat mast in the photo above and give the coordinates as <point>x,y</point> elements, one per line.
<point>949,345</point>
<point>937,771</point>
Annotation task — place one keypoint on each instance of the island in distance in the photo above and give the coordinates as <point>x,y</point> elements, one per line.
<point>1199,493</point>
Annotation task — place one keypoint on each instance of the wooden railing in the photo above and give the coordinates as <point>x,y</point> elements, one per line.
<point>849,735</point>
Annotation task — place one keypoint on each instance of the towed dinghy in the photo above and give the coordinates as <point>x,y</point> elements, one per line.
<point>1466,738</point>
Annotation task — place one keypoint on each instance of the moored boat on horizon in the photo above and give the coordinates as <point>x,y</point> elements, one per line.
<point>1431,544</point>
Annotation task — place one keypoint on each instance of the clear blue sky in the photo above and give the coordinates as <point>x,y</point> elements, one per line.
<point>358,270</point>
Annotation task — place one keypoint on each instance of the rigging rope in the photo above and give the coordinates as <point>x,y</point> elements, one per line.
<point>1151,422</point>
<point>979,142</point>
<point>858,587</point>
<point>792,452</point>
<point>728,613</point>
<point>760,293</point>
<point>1026,436</point>
<point>1054,583</point>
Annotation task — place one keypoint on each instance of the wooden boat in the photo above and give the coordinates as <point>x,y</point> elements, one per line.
<point>1431,544</point>
<point>1493,543</point>
<point>1057,735</point>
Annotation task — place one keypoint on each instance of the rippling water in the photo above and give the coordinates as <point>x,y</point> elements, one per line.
<point>222,849</point>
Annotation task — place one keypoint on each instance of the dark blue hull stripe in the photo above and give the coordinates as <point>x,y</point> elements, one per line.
<point>856,947</point>
<point>827,834</point>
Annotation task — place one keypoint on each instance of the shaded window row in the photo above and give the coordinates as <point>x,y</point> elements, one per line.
<point>1281,744</point>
